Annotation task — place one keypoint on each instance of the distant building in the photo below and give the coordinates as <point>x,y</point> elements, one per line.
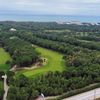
<point>13,29</point>
<point>60,22</point>
<point>76,22</point>
<point>70,22</point>
<point>98,23</point>
<point>86,23</point>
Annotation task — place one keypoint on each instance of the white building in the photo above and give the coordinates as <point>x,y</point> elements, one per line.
<point>13,29</point>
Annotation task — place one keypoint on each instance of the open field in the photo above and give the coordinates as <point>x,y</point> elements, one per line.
<point>4,57</point>
<point>54,63</point>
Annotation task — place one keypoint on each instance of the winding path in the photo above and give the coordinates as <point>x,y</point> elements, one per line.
<point>6,87</point>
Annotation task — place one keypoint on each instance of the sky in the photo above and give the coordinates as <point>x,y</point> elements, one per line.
<point>50,7</point>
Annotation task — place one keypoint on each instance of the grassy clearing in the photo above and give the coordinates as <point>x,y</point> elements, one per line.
<point>54,63</point>
<point>4,57</point>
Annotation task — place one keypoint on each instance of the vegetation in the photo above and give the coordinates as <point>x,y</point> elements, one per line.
<point>78,91</point>
<point>4,67</point>
<point>54,62</point>
<point>54,83</point>
<point>78,47</point>
<point>22,52</point>
<point>4,58</point>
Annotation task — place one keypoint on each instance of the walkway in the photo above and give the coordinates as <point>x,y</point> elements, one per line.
<point>5,87</point>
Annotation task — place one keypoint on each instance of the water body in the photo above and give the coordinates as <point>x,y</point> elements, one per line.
<point>48,18</point>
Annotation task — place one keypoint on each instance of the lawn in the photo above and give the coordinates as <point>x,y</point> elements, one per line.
<point>54,63</point>
<point>4,57</point>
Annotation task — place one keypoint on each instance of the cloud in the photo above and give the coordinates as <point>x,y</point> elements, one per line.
<point>92,1</point>
<point>61,7</point>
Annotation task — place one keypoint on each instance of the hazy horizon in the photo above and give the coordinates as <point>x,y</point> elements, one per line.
<point>26,9</point>
<point>49,18</point>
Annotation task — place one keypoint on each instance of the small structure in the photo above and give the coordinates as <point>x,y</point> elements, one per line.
<point>13,29</point>
<point>43,61</point>
<point>41,97</point>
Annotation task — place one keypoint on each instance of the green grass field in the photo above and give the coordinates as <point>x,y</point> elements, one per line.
<point>54,63</point>
<point>4,57</point>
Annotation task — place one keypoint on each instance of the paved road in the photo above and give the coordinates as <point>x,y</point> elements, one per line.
<point>90,95</point>
<point>5,87</point>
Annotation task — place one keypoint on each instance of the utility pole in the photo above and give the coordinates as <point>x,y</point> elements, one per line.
<point>42,95</point>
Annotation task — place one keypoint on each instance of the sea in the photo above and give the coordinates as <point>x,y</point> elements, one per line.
<point>49,18</point>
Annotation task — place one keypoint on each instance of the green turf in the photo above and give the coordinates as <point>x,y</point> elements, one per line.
<point>54,63</point>
<point>4,57</point>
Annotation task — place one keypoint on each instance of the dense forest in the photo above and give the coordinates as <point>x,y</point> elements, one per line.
<point>22,52</point>
<point>80,45</point>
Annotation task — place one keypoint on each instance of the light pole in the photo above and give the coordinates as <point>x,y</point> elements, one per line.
<point>42,96</point>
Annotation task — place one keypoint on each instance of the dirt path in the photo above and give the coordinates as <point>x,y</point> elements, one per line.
<point>15,68</point>
<point>37,65</point>
<point>6,87</point>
